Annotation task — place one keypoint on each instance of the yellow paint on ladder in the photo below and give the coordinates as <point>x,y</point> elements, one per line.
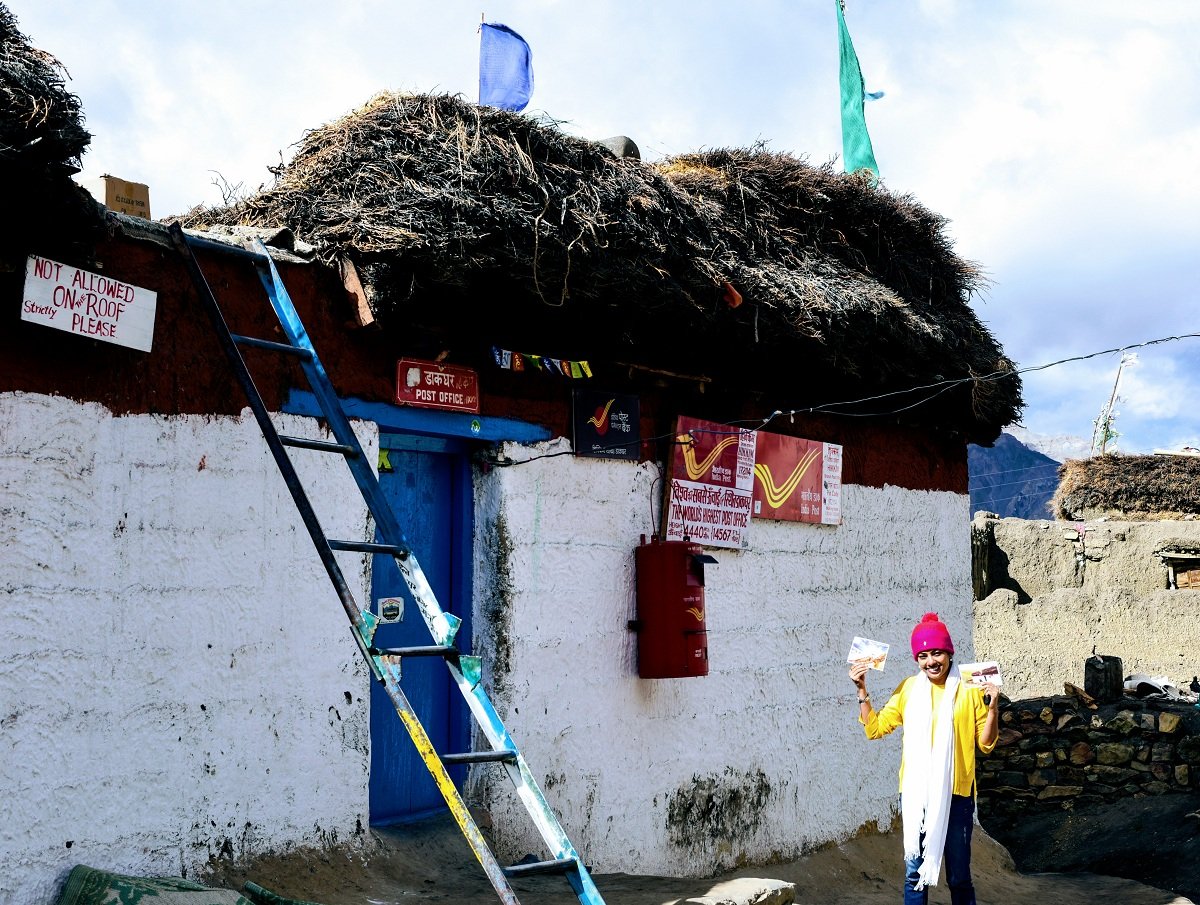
<point>458,807</point>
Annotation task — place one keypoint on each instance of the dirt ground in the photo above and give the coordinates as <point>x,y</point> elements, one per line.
<point>428,862</point>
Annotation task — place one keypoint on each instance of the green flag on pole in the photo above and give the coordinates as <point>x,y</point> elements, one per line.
<point>857,153</point>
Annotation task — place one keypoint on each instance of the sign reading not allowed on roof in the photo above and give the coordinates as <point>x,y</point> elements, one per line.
<point>88,304</point>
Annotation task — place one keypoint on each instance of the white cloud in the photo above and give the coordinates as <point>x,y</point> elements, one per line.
<point>938,9</point>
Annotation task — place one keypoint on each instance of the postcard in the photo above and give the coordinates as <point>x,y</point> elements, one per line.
<point>874,652</point>
<point>981,673</point>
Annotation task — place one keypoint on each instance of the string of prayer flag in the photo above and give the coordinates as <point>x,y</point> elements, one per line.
<point>524,361</point>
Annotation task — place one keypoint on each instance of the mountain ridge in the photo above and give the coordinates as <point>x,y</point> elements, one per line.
<point>1011,479</point>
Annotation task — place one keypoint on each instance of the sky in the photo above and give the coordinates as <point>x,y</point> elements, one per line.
<point>1058,137</point>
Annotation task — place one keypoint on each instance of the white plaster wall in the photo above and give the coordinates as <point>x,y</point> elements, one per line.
<point>761,759</point>
<point>177,678</point>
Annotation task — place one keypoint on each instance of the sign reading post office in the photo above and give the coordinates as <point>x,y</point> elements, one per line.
<point>431,385</point>
<point>88,304</point>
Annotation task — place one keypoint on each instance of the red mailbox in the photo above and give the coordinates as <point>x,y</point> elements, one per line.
<point>672,634</point>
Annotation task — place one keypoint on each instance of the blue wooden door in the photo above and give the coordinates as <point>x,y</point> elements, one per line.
<point>427,482</point>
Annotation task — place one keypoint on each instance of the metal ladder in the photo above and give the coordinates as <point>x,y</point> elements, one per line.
<point>385,663</point>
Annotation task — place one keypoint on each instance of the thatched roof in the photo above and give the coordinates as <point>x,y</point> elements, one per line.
<point>516,233</point>
<point>1133,487</point>
<point>41,141</point>
<point>41,123</point>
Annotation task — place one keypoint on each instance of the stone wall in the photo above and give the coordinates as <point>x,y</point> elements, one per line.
<point>1056,753</point>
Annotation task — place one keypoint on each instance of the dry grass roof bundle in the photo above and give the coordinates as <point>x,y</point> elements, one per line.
<point>1136,487</point>
<point>466,211</point>
<point>41,123</point>
<point>41,140</point>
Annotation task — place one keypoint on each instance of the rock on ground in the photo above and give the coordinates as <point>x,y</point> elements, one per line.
<point>747,891</point>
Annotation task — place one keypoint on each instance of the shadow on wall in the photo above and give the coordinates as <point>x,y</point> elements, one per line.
<point>990,564</point>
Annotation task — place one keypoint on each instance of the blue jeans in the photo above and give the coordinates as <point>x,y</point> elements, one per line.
<point>956,857</point>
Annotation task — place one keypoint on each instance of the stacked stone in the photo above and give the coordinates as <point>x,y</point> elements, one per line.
<point>1057,753</point>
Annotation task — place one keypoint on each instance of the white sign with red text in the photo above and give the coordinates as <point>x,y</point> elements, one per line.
<point>88,304</point>
<point>712,484</point>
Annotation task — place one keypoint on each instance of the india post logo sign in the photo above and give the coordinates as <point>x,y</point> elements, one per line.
<point>88,304</point>
<point>797,480</point>
<point>711,484</point>
<point>606,425</point>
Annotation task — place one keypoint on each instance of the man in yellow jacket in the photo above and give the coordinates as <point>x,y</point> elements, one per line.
<point>944,722</point>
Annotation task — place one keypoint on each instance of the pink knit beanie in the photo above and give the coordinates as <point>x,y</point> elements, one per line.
<point>931,634</point>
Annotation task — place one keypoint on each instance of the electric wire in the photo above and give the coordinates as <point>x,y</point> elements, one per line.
<point>1005,499</point>
<point>988,474</point>
<point>1013,483</point>
<point>940,387</point>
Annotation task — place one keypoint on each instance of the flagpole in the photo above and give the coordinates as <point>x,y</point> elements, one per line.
<point>1104,422</point>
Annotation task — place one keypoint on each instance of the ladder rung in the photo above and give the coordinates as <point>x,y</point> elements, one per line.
<point>480,757</point>
<point>361,546</point>
<point>433,650</point>
<point>285,348</point>
<point>322,445</point>
<point>557,866</point>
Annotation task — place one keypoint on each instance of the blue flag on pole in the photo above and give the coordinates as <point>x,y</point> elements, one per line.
<point>857,153</point>
<point>505,68</point>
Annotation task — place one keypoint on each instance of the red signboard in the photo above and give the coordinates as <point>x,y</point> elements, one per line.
<point>797,480</point>
<point>428,384</point>
<point>712,480</point>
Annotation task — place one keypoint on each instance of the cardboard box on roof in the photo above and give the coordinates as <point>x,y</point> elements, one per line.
<point>121,195</point>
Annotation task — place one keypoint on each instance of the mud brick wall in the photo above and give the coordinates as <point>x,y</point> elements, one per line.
<point>658,776</point>
<point>1056,753</point>
<point>1048,595</point>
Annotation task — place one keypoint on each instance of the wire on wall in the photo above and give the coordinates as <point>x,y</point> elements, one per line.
<point>832,408</point>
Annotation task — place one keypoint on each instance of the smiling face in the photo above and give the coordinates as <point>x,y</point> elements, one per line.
<point>935,664</point>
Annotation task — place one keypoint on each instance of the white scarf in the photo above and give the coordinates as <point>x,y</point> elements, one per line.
<point>928,773</point>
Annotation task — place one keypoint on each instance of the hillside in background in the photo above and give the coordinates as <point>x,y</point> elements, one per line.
<point>1011,479</point>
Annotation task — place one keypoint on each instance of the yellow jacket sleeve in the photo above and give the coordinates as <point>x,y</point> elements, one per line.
<point>970,713</point>
<point>881,722</point>
<point>981,714</point>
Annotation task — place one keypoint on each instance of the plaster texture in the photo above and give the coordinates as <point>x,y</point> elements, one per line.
<point>177,679</point>
<point>1066,590</point>
<point>762,759</point>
